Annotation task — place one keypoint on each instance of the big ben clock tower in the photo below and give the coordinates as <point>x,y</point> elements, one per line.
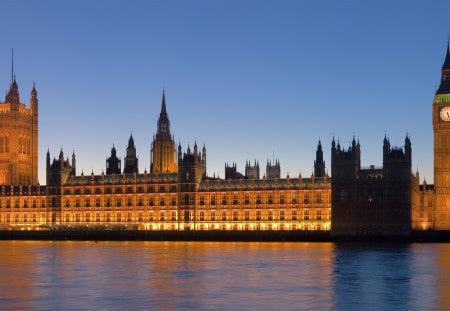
<point>441,128</point>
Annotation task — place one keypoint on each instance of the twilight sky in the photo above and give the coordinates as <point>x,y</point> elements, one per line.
<point>250,79</point>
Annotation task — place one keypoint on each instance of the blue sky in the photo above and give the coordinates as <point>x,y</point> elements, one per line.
<point>250,79</point>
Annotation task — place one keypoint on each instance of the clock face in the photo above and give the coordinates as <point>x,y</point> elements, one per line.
<point>445,114</point>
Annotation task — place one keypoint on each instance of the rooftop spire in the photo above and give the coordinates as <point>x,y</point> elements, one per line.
<point>444,87</point>
<point>12,66</point>
<point>163,105</point>
<point>163,121</point>
<point>446,65</point>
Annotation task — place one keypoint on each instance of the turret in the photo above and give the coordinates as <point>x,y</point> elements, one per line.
<point>319,164</point>
<point>13,94</point>
<point>131,161</point>
<point>113,163</point>
<point>34,100</point>
<point>74,164</point>
<point>204,154</point>
<point>386,147</point>
<point>408,148</point>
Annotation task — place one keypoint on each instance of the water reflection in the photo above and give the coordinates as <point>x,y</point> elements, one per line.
<point>226,276</point>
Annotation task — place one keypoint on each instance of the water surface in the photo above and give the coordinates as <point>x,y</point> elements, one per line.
<point>42,275</point>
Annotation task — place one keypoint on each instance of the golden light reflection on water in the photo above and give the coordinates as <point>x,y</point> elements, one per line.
<point>220,275</point>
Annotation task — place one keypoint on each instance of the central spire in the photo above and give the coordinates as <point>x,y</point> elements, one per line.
<point>163,121</point>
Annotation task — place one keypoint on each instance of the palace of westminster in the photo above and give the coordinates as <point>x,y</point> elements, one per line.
<point>176,194</point>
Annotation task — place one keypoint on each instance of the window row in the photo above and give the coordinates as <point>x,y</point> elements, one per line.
<point>26,203</point>
<point>189,216</point>
<point>274,198</point>
<point>119,190</point>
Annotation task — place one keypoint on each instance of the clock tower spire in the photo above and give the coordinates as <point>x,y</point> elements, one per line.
<point>441,128</point>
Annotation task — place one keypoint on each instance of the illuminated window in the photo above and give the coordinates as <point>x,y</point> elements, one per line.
<point>235,215</point>
<point>88,217</point>
<point>213,215</point>
<point>224,215</point>
<point>318,197</point>
<point>294,215</point>
<point>306,215</point>
<point>306,198</point>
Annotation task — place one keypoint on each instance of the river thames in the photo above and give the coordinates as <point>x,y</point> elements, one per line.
<point>46,275</point>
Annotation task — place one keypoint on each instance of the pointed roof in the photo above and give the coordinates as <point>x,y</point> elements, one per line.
<point>444,87</point>
<point>163,104</point>
<point>446,65</point>
<point>131,141</point>
<point>163,131</point>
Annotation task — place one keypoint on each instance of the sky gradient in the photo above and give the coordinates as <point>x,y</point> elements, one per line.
<point>249,79</point>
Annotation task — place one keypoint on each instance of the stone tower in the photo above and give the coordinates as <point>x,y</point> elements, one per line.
<point>131,161</point>
<point>441,128</point>
<point>163,158</point>
<point>18,138</point>
<point>113,163</point>
<point>319,163</point>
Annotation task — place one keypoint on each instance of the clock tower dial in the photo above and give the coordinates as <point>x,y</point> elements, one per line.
<point>445,114</point>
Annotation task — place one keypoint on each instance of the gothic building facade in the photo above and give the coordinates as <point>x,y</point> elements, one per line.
<point>177,193</point>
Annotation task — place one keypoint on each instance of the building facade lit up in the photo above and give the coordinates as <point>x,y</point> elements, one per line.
<point>177,194</point>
